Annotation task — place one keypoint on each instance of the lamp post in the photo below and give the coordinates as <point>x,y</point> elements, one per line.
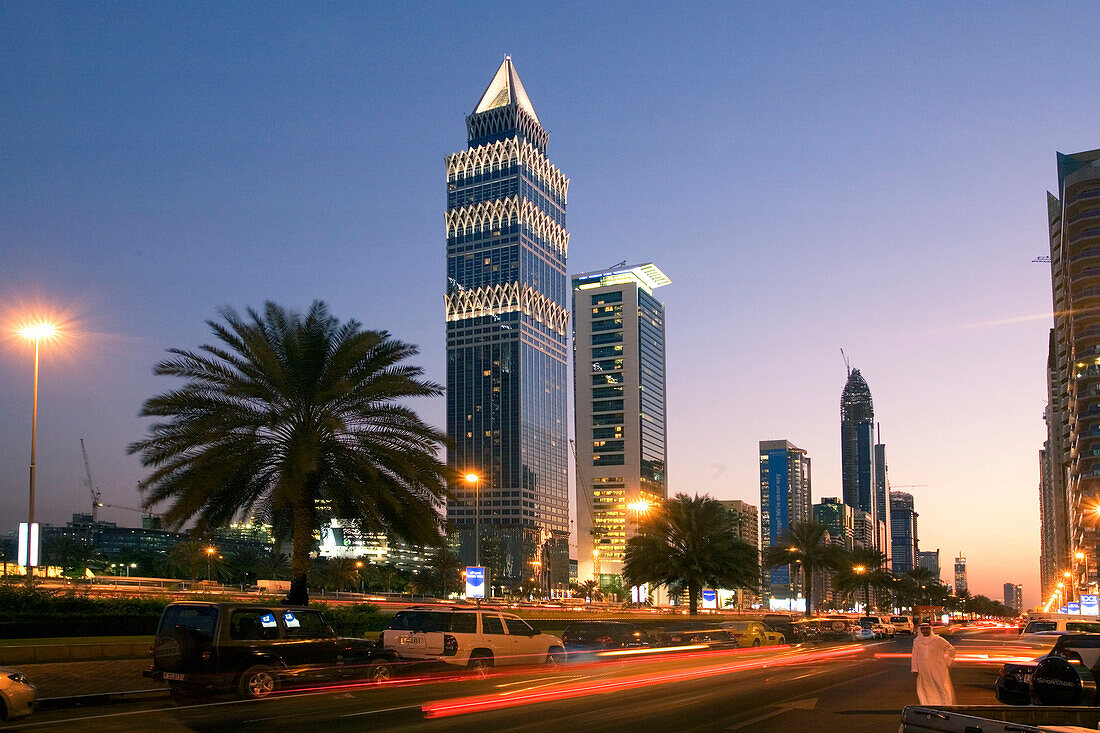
<point>1069,585</point>
<point>473,478</point>
<point>359,572</point>
<point>1082,557</point>
<point>209,555</point>
<point>36,332</point>
<point>860,570</point>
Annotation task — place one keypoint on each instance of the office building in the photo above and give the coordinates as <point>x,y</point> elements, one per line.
<point>838,519</point>
<point>1014,596</point>
<point>930,559</point>
<point>903,532</point>
<point>507,336</point>
<point>784,500</point>
<point>1070,461</point>
<point>619,403</point>
<point>747,523</point>
<point>961,586</point>
<point>882,499</point>
<point>857,455</point>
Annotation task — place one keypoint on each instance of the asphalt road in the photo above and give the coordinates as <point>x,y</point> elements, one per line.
<point>840,687</point>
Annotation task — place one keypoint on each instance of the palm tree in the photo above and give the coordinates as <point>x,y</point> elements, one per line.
<point>443,571</point>
<point>589,590</point>
<point>273,566</point>
<point>803,547</point>
<point>288,414</point>
<point>863,568</point>
<point>692,541</point>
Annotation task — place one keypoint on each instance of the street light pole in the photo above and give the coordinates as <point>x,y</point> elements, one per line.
<point>476,481</point>
<point>34,332</point>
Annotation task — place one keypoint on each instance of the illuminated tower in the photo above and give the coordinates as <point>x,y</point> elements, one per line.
<point>507,339</point>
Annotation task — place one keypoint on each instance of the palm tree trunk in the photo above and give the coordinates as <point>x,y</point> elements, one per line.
<point>302,544</point>
<point>866,599</point>
<point>809,578</point>
<point>693,598</point>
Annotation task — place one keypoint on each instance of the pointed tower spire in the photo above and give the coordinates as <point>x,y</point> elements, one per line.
<point>505,89</point>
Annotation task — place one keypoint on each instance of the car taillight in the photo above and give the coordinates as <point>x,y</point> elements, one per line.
<point>450,645</point>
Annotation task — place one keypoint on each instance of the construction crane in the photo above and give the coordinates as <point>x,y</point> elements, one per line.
<point>90,484</point>
<point>143,512</point>
<point>1042,258</point>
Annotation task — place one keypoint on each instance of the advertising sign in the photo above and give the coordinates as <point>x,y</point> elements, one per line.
<point>710,599</point>
<point>475,582</point>
<point>1090,605</point>
<point>639,593</point>
<point>28,544</point>
<point>1074,608</point>
<point>1063,609</point>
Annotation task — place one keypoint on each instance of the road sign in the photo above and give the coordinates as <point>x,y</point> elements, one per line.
<point>475,582</point>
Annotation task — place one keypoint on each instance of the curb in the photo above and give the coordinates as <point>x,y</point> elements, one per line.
<point>99,698</point>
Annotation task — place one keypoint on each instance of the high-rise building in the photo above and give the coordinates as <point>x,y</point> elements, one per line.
<point>865,532</point>
<point>960,575</point>
<point>507,337</point>
<point>1014,596</point>
<point>838,519</point>
<point>619,399</point>
<point>857,453</point>
<point>903,529</point>
<point>1070,486</point>
<point>882,500</point>
<point>747,522</point>
<point>784,500</point>
<point>931,559</point>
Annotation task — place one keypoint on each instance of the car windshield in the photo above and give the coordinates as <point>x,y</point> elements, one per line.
<point>1037,626</point>
<point>199,619</point>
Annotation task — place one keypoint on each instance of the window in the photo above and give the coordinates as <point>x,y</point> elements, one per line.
<point>306,625</point>
<point>607,338</point>
<point>250,624</point>
<point>615,297</point>
<point>612,419</point>
<point>518,627</point>
<point>612,459</point>
<point>599,392</point>
<point>199,619</point>
<point>605,351</point>
<point>605,433</point>
<point>1086,626</point>
<point>490,624</point>
<point>598,379</point>
<point>608,325</point>
<point>607,446</point>
<point>607,366</point>
<point>464,623</point>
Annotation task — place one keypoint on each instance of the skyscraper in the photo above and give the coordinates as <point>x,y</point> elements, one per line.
<point>857,452</point>
<point>1014,596</point>
<point>619,398</point>
<point>838,519</point>
<point>903,532</point>
<point>1070,486</point>
<point>882,499</point>
<point>747,522</point>
<point>961,585</point>
<point>507,339</point>
<point>784,500</point>
<point>931,559</point>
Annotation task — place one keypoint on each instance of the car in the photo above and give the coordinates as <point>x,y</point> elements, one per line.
<point>582,637</point>
<point>753,633</point>
<point>473,637</point>
<point>877,624</point>
<point>1036,628</point>
<point>698,633</point>
<point>254,650</point>
<point>784,623</point>
<point>1068,668</point>
<point>17,694</point>
<point>902,624</point>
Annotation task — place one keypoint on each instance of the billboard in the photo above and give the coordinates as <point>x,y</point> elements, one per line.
<point>475,582</point>
<point>1090,605</point>
<point>710,599</point>
<point>28,545</point>
<point>1074,608</point>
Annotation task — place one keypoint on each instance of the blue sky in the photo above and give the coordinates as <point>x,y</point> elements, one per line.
<point>811,177</point>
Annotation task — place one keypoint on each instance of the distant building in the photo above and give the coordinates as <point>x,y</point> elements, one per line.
<point>960,575</point>
<point>747,519</point>
<point>839,520</point>
<point>931,559</point>
<point>864,529</point>
<point>882,501</point>
<point>784,500</point>
<point>619,410</point>
<point>857,455</point>
<point>903,528</point>
<point>344,538</point>
<point>507,323</point>
<point>1014,596</point>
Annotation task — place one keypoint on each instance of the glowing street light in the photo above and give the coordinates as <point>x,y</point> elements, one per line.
<point>37,332</point>
<point>640,507</point>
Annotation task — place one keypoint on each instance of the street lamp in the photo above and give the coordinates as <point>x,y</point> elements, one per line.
<point>473,478</point>
<point>209,555</point>
<point>359,572</point>
<point>1082,557</point>
<point>1069,585</point>
<point>36,332</point>
<point>860,570</point>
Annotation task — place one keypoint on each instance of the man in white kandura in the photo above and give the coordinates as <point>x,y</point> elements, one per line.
<point>932,655</point>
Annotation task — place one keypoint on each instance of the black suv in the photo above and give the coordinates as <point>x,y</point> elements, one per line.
<point>253,650</point>
<point>1066,675</point>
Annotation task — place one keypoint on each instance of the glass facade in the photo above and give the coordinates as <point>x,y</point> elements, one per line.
<point>857,454</point>
<point>784,500</point>
<point>506,342</point>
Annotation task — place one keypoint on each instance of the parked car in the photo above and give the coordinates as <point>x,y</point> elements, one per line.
<point>469,636</point>
<point>1062,676</point>
<point>590,636</point>
<point>785,624</point>
<point>753,633</point>
<point>1036,629</point>
<point>698,633</point>
<point>17,694</point>
<point>880,626</point>
<point>254,650</point>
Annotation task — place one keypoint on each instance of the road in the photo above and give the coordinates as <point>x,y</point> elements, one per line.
<point>838,687</point>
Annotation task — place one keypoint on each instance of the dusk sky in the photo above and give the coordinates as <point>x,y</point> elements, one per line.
<point>812,177</point>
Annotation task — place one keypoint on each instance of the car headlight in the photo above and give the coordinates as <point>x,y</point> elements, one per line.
<point>18,677</point>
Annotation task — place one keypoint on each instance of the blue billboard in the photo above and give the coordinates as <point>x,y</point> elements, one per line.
<point>710,599</point>
<point>475,582</point>
<point>1090,605</point>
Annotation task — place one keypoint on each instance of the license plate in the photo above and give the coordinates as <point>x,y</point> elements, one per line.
<point>410,640</point>
<point>174,676</point>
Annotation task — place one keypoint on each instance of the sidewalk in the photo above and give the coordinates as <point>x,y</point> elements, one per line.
<point>66,679</point>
